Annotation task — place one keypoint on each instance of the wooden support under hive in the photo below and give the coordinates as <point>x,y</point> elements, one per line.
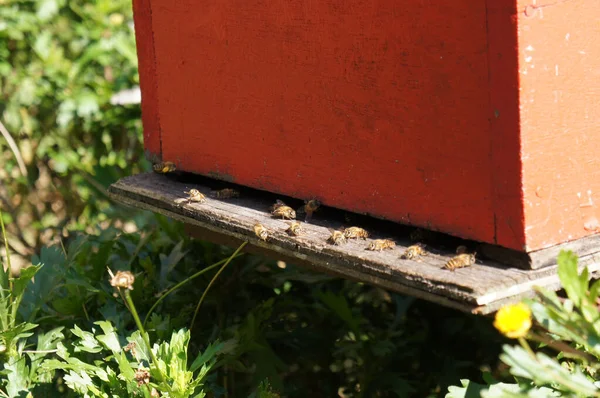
<point>480,288</point>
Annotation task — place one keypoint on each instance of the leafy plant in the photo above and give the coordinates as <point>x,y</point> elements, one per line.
<point>103,365</point>
<point>20,366</point>
<point>62,140</point>
<point>568,326</point>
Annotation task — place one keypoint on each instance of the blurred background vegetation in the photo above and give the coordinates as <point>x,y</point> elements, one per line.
<point>309,335</point>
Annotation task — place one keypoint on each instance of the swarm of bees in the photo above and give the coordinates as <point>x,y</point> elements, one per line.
<point>337,237</point>
<point>355,233</point>
<point>381,244</point>
<point>226,193</point>
<point>295,228</point>
<point>280,209</point>
<point>164,167</point>
<point>460,261</point>
<point>414,251</point>
<point>195,196</point>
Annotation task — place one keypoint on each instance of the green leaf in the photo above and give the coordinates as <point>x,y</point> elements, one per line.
<point>208,356</point>
<point>569,277</point>
<point>543,370</point>
<point>17,377</point>
<point>468,389</point>
<point>340,307</point>
<point>594,291</point>
<point>168,263</point>
<point>20,331</point>
<point>42,45</point>
<point>47,9</point>
<point>471,389</point>
<point>87,104</point>
<point>20,283</point>
<point>87,342</point>
<point>109,338</point>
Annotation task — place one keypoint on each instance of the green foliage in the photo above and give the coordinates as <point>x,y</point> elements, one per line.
<point>115,371</point>
<point>21,371</point>
<point>569,326</point>
<point>60,63</point>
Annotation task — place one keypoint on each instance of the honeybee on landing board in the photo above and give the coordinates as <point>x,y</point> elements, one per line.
<point>226,193</point>
<point>337,237</point>
<point>261,231</point>
<point>460,261</point>
<point>278,203</point>
<point>164,167</point>
<point>381,244</point>
<point>295,228</point>
<point>355,233</point>
<point>195,196</point>
<point>284,211</point>
<point>414,251</point>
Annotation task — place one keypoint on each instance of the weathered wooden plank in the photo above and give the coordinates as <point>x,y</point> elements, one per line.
<point>478,288</point>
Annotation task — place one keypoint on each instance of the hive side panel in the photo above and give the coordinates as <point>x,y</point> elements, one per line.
<point>378,107</point>
<point>560,117</point>
<point>144,37</point>
<point>505,149</point>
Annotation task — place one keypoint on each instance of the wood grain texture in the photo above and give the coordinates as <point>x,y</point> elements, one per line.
<point>480,288</point>
<point>559,75</point>
<point>379,107</point>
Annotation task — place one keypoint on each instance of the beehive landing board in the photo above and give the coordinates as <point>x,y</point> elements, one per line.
<point>482,288</point>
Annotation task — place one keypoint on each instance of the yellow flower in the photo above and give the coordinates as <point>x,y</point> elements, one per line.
<point>513,320</point>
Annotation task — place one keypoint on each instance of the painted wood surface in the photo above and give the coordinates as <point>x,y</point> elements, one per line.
<point>429,116</point>
<point>376,107</point>
<point>559,74</point>
<point>481,288</point>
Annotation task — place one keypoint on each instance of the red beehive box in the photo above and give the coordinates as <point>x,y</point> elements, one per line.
<point>475,118</point>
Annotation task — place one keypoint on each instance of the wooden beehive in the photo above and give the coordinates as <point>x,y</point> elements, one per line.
<point>479,119</point>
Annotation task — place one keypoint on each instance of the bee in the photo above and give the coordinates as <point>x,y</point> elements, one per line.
<point>261,231</point>
<point>414,251</point>
<point>310,206</point>
<point>195,196</point>
<point>278,203</point>
<point>164,167</point>
<point>337,237</point>
<point>295,228</point>
<point>461,249</point>
<point>226,193</point>
<point>355,233</point>
<point>460,261</point>
<point>381,244</point>
<point>283,211</point>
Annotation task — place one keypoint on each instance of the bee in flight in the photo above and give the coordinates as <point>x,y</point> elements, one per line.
<point>355,233</point>
<point>164,167</point>
<point>460,261</point>
<point>381,244</point>
<point>337,237</point>
<point>195,196</point>
<point>461,249</point>
<point>414,251</point>
<point>310,206</point>
<point>261,232</point>
<point>226,193</point>
<point>295,228</point>
<point>280,209</point>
